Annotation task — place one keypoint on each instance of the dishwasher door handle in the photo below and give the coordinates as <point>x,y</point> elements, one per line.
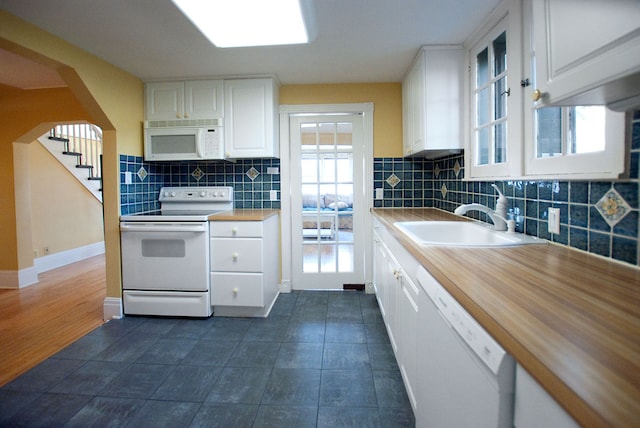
<point>195,228</point>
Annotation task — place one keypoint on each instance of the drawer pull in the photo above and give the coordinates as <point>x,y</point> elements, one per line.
<point>234,230</point>
<point>235,257</point>
<point>235,291</point>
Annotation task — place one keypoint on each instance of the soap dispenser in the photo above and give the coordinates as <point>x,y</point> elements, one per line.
<point>501,203</point>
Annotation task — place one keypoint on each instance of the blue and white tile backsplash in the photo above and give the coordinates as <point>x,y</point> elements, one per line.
<point>250,180</point>
<point>600,217</point>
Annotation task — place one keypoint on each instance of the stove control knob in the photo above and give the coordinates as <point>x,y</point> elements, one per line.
<point>203,194</point>
<point>165,194</point>
<point>173,194</point>
<point>215,194</point>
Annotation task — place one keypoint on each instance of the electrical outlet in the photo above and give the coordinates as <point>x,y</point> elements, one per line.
<point>379,193</point>
<point>273,170</point>
<point>45,250</point>
<point>273,195</point>
<point>554,220</point>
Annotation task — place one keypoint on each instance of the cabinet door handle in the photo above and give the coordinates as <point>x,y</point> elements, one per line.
<point>235,291</point>
<point>536,95</point>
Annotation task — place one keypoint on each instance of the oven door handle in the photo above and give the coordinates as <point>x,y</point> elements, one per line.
<point>195,228</point>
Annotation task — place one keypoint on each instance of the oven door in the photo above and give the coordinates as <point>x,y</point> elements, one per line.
<point>165,256</point>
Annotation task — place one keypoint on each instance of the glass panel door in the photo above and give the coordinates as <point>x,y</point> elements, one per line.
<point>328,173</point>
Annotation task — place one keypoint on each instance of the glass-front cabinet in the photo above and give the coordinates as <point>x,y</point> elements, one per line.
<point>495,102</point>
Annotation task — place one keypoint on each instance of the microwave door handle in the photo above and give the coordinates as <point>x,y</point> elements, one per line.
<point>197,228</point>
<point>200,144</point>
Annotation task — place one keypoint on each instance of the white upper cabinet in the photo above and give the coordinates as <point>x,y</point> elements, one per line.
<point>432,101</point>
<point>572,141</point>
<point>587,52</point>
<point>495,96</point>
<point>197,99</point>
<point>251,118</point>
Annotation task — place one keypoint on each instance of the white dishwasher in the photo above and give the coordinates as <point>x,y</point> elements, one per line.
<point>468,379</point>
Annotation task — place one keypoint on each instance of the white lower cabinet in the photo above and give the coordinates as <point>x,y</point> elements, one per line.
<point>397,296</point>
<point>534,407</point>
<point>244,267</point>
<point>429,352</point>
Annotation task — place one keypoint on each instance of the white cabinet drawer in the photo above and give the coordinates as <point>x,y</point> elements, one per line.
<point>237,229</point>
<point>237,289</point>
<point>236,255</point>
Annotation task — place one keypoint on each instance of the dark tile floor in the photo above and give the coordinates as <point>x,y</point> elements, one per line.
<point>321,359</point>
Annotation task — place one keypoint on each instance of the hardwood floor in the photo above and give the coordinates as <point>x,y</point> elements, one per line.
<point>39,320</point>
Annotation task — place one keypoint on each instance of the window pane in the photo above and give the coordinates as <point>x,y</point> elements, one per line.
<point>586,129</point>
<point>500,136</point>
<point>345,136</point>
<point>548,132</point>
<point>500,54</point>
<point>483,146</point>
<point>500,110</point>
<point>345,258</point>
<point>308,136</point>
<point>482,64</point>
<point>483,107</point>
<point>309,165</point>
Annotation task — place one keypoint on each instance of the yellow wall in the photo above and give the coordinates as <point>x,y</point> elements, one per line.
<point>387,115</point>
<point>113,100</point>
<point>64,214</point>
<point>20,112</point>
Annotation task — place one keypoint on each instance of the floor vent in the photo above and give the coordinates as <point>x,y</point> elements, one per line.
<point>357,287</point>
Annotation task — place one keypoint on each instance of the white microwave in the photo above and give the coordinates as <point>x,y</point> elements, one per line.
<point>175,140</point>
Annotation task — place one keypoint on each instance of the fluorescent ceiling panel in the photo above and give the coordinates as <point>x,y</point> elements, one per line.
<point>237,23</point>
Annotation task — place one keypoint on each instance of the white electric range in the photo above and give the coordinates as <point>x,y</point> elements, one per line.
<point>165,254</point>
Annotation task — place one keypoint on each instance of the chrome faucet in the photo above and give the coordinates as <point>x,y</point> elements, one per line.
<point>497,216</point>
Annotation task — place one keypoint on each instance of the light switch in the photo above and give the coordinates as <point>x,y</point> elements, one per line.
<point>554,220</point>
<point>127,177</point>
<point>380,193</point>
<point>273,195</point>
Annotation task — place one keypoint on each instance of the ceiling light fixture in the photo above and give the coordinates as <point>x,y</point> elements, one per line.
<point>238,23</point>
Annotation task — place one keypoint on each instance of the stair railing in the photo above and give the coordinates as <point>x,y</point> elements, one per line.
<point>84,140</point>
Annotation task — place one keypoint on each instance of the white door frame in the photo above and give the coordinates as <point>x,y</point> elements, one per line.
<point>285,180</point>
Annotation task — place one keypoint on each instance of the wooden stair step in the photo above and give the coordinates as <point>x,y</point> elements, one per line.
<point>64,140</point>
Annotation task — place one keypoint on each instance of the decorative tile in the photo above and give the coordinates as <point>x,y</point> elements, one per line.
<point>436,170</point>
<point>252,173</point>
<point>393,180</point>
<point>443,190</point>
<point>612,207</point>
<point>142,173</point>
<point>197,174</point>
<point>457,168</point>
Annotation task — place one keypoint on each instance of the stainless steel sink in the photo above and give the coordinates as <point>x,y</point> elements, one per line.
<point>462,234</point>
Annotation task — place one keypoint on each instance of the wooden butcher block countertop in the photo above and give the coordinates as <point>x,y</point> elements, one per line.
<point>571,319</point>
<point>244,215</point>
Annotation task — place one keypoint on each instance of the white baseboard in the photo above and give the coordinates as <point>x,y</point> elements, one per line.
<point>285,286</point>
<point>112,308</point>
<point>14,279</point>
<point>63,258</point>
